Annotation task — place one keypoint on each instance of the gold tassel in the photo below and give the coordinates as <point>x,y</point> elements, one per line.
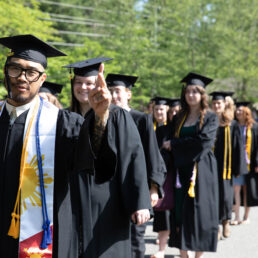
<point>229,173</point>
<point>15,226</point>
<point>191,191</point>
<point>155,125</point>
<point>248,145</point>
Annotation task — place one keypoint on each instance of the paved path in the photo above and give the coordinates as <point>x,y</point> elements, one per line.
<point>243,242</point>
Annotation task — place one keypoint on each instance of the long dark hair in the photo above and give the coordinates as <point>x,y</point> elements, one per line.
<point>185,107</point>
<point>75,104</point>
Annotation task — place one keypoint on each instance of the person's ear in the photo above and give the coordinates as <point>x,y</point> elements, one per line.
<point>129,94</point>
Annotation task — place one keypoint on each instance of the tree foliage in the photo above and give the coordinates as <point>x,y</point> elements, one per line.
<point>158,40</point>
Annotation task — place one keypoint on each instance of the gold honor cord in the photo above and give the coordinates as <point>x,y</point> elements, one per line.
<point>248,146</point>
<point>14,229</point>
<point>227,153</point>
<point>191,190</point>
<point>155,125</point>
<point>180,126</point>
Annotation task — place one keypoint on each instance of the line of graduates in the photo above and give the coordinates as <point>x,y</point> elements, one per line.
<point>72,184</point>
<point>209,164</point>
<point>82,181</point>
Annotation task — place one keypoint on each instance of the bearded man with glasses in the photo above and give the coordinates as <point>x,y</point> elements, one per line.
<point>37,152</point>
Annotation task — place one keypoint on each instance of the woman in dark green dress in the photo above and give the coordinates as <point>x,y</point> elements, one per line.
<point>194,222</point>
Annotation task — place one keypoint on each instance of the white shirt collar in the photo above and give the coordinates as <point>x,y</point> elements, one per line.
<point>20,109</point>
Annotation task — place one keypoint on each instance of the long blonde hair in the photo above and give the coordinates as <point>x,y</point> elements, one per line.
<point>227,115</point>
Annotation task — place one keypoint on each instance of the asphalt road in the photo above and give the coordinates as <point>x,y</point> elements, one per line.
<point>243,242</point>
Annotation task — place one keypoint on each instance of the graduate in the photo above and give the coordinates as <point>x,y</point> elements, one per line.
<point>174,106</point>
<point>194,224</point>
<point>80,89</point>
<point>160,110</point>
<point>161,222</point>
<point>121,194</point>
<point>229,155</point>
<point>120,87</point>
<point>248,179</point>
<point>38,143</point>
<point>49,91</point>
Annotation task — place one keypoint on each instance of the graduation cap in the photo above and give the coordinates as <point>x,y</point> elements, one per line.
<point>243,103</point>
<point>160,100</point>
<point>217,95</point>
<point>174,102</point>
<point>89,67</point>
<point>196,79</point>
<point>120,80</point>
<point>31,48</point>
<point>51,87</point>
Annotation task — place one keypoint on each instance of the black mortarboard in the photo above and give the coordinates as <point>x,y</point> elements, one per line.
<point>51,87</point>
<point>89,67</point>
<point>243,103</point>
<point>196,79</point>
<point>174,102</point>
<point>216,95</point>
<point>160,100</point>
<point>120,80</point>
<point>31,48</point>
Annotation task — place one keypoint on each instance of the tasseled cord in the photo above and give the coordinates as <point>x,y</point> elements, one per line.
<point>14,230</point>
<point>227,153</point>
<point>191,191</point>
<point>248,146</point>
<point>46,239</point>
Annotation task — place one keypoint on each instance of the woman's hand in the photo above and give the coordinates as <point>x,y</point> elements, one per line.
<point>100,97</point>
<point>141,216</point>
<point>166,145</point>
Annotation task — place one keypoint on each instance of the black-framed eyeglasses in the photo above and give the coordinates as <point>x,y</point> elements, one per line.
<point>15,71</point>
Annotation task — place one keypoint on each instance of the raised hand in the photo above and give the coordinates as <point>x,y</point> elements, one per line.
<point>100,97</point>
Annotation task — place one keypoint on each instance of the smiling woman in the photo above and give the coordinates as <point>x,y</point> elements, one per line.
<point>84,80</point>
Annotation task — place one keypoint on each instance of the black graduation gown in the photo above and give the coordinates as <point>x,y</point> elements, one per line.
<point>226,190</point>
<point>199,228</point>
<point>161,220</point>
<point>65,242</point>
<point>252,176</point>
<point>156,168</point>
<point>155,171</point>
<point>118,189</point>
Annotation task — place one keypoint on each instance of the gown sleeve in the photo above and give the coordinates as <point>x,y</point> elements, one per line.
<point>238,153</point>
<point>156,168</point>
<point>121,157</point>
